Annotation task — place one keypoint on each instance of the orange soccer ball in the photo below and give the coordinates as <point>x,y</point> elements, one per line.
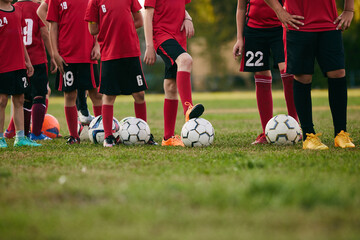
<point>51,126</point>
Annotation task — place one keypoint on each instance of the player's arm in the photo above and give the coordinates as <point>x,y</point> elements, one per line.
<point>95,52</point>
<point>285,17</point>
<point>29,66</point>
<point>150,55</point>
<point>344,20</point>
<point>240,23</point>
<point>138,19</point>
<point>42,12</point>
<point>188,25</point>
<point>94,28</point>
<point>46,38</point>
<point>54,35</point>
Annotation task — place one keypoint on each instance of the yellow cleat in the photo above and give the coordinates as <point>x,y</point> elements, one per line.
<point>173,141</point>
<point>313,142</point>
<point>193,111</point>
<point>343,140</point>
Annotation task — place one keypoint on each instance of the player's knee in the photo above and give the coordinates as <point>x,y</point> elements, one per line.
<point>3,101</point>
<point>18,101</point>
<point>170,88</point>
<point>139,97</point>
<point>70,96</point>
<point>185,60</point>
<point>336,74</point>
<point>304,79</point>
<point>39,100</point>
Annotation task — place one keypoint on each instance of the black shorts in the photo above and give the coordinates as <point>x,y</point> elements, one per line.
<point>122,76</point>
<point>14,82</point>
<point>82,76</point>
<point>259,45</point>
<point>169,51</point>
<point>39,81</point>
<point>303,47</point>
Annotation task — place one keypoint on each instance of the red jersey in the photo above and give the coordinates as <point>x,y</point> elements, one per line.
<point>74,41</point>
<point>260,15</point>
<point>11,45</point>
<point>32,35</point>
<point>319,14</point>
<point>117,34</point>
<point>168,18</point>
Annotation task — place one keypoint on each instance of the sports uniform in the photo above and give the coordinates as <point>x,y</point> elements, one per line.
<point>317,38</point>
<point>121,71</point>
<point>262,39</point>
<point>13,78</point>
<point>169,41</point>
<point>75,45</point>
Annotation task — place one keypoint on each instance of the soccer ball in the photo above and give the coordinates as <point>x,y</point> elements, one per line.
<point>134,131</point>
<point>96,129</point>
<point>197,132</point>
<point>282,130</point>
<point>83,131</point>
<point>51,126</point>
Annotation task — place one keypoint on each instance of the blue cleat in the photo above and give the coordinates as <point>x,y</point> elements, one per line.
<point>25,141</point>
<point>3,143</point>
<point>41,137</point>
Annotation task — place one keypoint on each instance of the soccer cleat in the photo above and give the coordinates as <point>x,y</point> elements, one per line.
<point>193,111</point>
<point>3,143</point>
<point>343,140</point>
<point>71,140</point>
<point>261,139</point>
<point>25,141</point>
<point>110,141</point>
<point>85,119</point>
<point>39,138</point>
<point>9,134</point>
<point>313,142</point>
<point>173,141</point>
<point>152,141</point>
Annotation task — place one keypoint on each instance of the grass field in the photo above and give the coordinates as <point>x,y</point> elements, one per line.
<point>231,190</point>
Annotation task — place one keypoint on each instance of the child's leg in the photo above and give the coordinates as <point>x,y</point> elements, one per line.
<point>170,107</point>
<point>3,103</point>
<point>108,113</point>
<point>96,99</point>
<point>183,79</point>
<point>71,112</point>
<point>18,101</point>
<point>140,105</point>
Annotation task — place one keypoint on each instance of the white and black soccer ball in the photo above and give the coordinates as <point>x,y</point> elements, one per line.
<point>96,130</point>
<point>197,132</point>
<point>134,131</point>
<point>283,130</point>
<point>83,131</point>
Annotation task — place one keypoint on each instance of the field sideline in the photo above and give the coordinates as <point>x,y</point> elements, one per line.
<point>231,190</point>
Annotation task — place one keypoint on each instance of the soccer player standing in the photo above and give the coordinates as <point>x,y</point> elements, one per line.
<point>318,36</point>
<point>75,52</point>
<point>167,25</point>
<point>15,64</point>
<point>259,34</point>
<point>115,22</point>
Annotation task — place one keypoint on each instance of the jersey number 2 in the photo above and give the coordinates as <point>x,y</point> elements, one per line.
<point>258,63</point>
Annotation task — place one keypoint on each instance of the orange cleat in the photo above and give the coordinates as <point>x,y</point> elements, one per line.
<point>193,111</point>
<point>173,141</point>
<point>343,140</point>
<point>261,139</point>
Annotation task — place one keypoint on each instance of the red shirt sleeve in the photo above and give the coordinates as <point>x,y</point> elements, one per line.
<point>150,3</point>
<point>53,11</point>
<point>135,7</point>
<point>92,12</point>
<point>187,1</point>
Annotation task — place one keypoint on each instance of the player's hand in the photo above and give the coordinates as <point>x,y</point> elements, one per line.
<point>53,66</point>
<point>29,69</point>
<point>95,52</point>
<point>189,28</point>
<point>60,62</point>
<point>344,20</point>
<point>238,48</point>
<point>150,56</point>
<point>288,19</point>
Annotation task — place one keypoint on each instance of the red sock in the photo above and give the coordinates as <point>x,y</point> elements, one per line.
<point>140,110</point>
<point>97,110</point>
<point>71,119</point>
<point>11,126</point>
<point>264,98</point>
<point>288,82</point>
<point>38,115</point>
<point>170,112</point>
<point>108,114</point>
<point>27,119</point>
<point>46,104</point>
<point>183,83</point>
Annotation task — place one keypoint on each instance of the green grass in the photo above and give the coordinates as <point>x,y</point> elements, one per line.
<point>231,190</point>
